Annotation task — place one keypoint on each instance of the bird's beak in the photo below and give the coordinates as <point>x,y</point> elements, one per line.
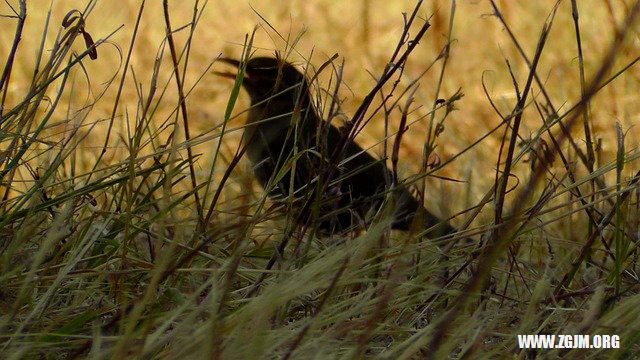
<point>228,74</point>
<point>230,61</point>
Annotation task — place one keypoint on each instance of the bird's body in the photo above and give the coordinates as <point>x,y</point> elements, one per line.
<point>283,128</point>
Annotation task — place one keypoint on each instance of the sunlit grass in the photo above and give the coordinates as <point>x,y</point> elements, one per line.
<point>104,253</point>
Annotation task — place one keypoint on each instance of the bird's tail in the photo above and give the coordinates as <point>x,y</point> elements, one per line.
<point>408,207</point>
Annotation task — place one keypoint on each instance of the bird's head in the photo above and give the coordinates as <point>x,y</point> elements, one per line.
<point>268,77</point>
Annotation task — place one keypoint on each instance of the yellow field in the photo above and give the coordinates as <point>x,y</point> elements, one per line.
<point>105,253</point>
<point>363,34</point>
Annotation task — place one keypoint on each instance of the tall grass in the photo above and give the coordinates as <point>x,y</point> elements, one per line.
<point>148,239</point>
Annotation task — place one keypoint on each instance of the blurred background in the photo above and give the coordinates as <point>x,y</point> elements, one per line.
<point>364,34</point>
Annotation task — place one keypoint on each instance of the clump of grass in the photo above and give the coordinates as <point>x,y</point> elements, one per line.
<point>152,253</point>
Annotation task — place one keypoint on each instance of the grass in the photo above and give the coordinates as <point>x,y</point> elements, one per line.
<point>131,226</point>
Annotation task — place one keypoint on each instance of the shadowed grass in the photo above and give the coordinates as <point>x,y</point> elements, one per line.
<point>152,241</point>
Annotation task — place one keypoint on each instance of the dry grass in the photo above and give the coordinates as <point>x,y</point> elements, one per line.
<point>105,253</point>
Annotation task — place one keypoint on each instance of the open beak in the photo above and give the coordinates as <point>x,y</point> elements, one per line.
<point>228,74</point>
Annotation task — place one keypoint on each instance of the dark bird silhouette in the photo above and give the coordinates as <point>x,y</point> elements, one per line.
<point>284,129</point>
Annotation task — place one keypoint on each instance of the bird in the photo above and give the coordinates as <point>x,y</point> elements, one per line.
<point>283,128</point>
